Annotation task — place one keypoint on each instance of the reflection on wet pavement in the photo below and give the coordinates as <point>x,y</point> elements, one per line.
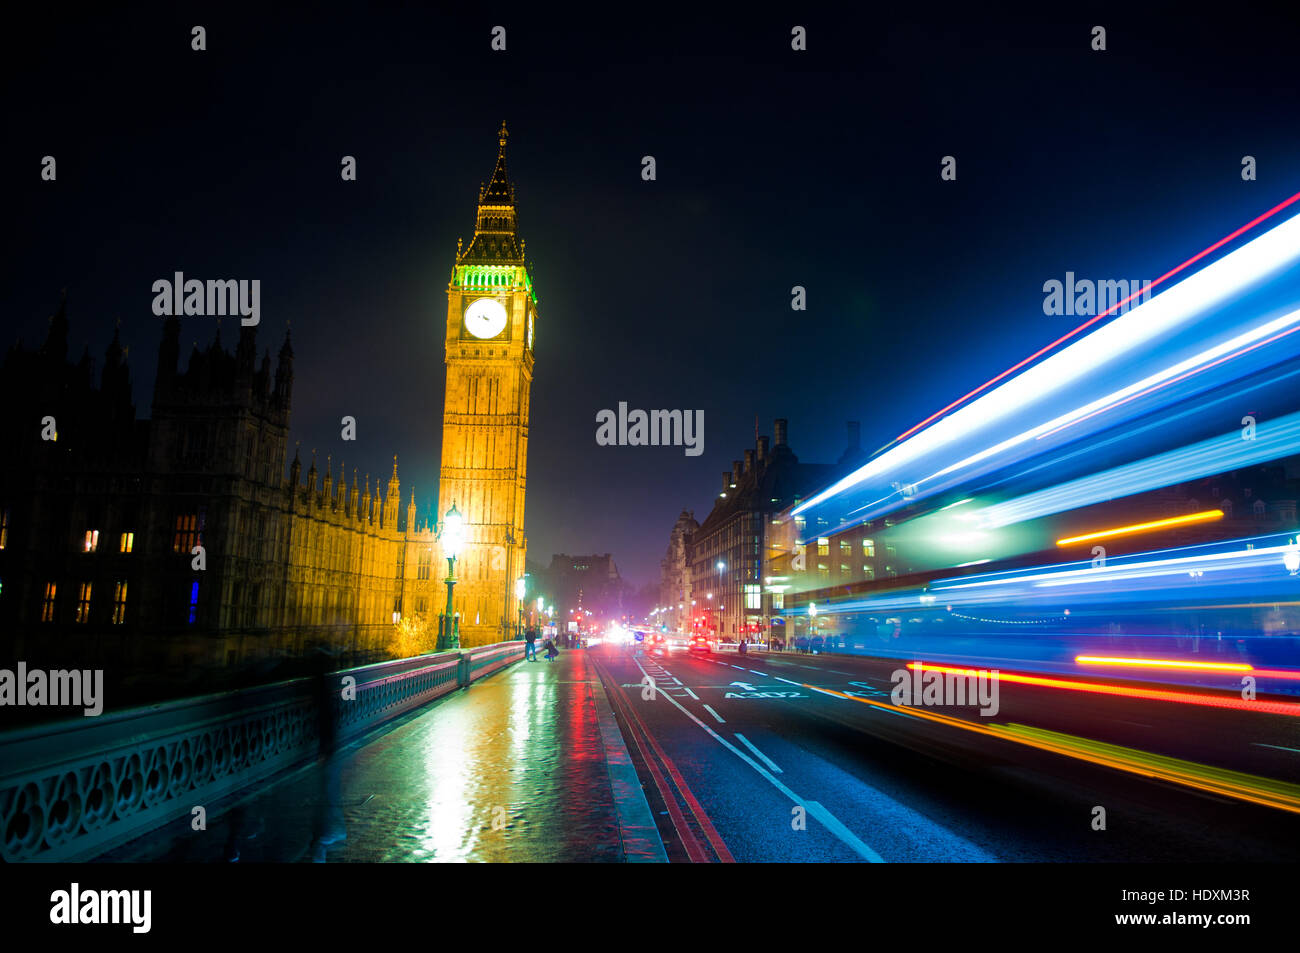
<point>511,769</point>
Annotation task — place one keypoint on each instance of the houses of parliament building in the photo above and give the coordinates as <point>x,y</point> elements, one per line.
<point>101,513</point>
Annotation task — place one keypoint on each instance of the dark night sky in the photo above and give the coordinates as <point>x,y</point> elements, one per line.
<point>775,168</point>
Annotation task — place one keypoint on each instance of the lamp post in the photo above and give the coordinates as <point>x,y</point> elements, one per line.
<point>452,537</point>
<point>521,588</point>
<point>722,584</point>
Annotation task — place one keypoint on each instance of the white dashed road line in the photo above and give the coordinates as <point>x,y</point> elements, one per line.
<point>827,819</point>
<point>721,720</point>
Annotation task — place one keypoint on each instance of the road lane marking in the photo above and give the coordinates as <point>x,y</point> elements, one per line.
<point>757,672</point>
<point>827,819</point>
<point>834,694</point>
<point>741,667</point>
<point>787,681</point>
<point>721,720</point>
<point>691,693</point>
<point>1260,744</point>
<point>765,759</point>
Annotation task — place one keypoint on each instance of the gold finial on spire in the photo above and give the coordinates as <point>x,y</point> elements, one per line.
<point>394,466</point>
<point>502,135</point>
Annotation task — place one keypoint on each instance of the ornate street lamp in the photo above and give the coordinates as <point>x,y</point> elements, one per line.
<point>452,537</point>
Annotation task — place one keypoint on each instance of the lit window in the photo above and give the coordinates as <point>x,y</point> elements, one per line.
<point>119,602</point>
<point>823,546</point>
<point>823,571</point>
<point>4,528</point>
<point>868,572</point>
<point>91,542</point>
<point>194,601</point>
<point>753,597</point>
<point>83,603</point>
<point>127,543</point>
<point>47,606</point>
<point>844,569</point>
<point>778,600</point>
<point>846,548</point>
<point>187,533</point>
<point>868,548</point>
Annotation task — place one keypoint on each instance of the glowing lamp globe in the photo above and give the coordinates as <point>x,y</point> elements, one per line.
<point>453,532</point>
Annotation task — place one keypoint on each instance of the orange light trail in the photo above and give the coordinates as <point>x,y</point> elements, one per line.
<point>1202,517</point>
<point>1089,323</point>
<point>1164,663</point>
<point>1151,694</point>
<point>1235,784</point>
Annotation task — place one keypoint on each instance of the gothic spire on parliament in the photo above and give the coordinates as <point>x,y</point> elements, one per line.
<point>496,238</point>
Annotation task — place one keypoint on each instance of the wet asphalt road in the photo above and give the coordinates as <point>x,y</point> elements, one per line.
<point>738,745</point>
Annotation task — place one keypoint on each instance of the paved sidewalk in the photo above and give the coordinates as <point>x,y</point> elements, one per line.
<point>526,765</point>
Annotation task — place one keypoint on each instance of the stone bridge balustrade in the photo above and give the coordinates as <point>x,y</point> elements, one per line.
<point>75,789</point>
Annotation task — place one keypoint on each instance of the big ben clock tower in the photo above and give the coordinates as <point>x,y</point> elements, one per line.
<point>491,312</point>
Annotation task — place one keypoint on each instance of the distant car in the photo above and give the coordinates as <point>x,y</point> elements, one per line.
<point>658,638</point>
<point>700,644</point>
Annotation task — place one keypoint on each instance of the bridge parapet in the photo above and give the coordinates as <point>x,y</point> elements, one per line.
<point>74,789</point>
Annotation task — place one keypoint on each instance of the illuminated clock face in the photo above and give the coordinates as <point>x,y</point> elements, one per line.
<point>485,318</point>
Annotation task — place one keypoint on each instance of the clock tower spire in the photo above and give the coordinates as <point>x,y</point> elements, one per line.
<point>491,313</point>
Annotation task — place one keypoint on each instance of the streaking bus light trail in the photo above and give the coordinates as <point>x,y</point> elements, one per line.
<point>1151,694</point>
<point>1168,313</point>
<point>1165,663</point>
<point>1087,324</point>
<point>1205,516</point>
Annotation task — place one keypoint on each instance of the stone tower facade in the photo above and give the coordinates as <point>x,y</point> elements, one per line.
<point>491,317</point>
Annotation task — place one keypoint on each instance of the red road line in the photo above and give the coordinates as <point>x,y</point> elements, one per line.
<point>701,816</point>
<point>694,850</point>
